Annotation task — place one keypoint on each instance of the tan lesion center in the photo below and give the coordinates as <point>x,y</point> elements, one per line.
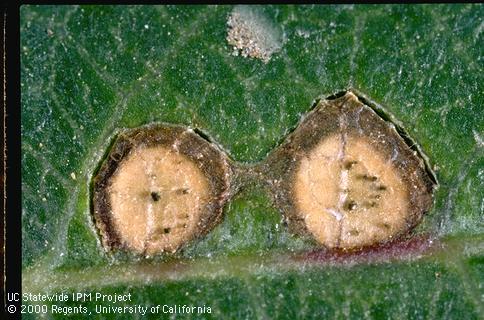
<point>156,197</point>
<point>348,194</point>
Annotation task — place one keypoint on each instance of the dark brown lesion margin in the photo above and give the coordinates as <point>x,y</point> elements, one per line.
<point>214,164</point>
<point>365,118</point>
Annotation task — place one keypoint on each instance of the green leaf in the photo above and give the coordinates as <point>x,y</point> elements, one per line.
<point>88,72</point>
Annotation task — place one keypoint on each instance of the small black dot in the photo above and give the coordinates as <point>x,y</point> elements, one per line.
<point>155,196</point>
<point>166,230</point>
<point>354,232</point>
<point>370,204</point>
<point>182,191</point>
<point>367,177</point>
<point>350,205</point>
<point>349,164</point>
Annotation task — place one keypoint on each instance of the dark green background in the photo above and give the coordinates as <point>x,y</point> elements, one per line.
<point>87,72</point>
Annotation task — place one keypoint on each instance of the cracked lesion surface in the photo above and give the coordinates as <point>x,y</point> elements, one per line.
<point>348,178</point>
<point>348,194</point>
<point>156,197</point>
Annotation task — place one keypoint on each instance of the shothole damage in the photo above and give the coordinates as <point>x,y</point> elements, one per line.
<point>347,177</point>
<point>159,187</point>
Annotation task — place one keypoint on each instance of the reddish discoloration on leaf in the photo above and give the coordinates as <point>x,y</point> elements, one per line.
<point>399,249</point>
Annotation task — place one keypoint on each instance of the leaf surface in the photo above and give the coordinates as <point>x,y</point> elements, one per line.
<point>89,71</point>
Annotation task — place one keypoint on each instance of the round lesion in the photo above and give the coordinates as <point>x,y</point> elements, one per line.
<point>165,186</point>
<point>354,181</point>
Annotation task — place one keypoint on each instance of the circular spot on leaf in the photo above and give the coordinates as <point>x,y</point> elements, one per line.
<point>159,187</point>
<point>348,178</point>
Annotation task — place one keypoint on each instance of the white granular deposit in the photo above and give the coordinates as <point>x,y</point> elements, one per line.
<point>251,34</point>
